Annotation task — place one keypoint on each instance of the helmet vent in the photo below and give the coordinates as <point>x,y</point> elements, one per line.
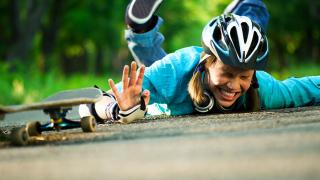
<point>245,30</point>
<point>212,22</point>
<point>227,19</point>
<point>216,34</point>
<point>234,39</point>
<point>254,43</point>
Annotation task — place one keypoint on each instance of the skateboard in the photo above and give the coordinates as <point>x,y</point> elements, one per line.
<point>56,107</point>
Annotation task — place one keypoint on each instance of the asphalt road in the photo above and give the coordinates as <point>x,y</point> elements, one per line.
<point>282,144</point>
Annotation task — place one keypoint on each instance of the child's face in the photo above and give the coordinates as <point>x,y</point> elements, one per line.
<point>227,83</point>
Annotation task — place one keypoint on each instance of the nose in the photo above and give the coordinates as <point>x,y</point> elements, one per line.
<point>233,84</point>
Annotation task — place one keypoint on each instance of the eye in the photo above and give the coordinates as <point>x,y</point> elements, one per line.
<point>227,74</point>
<point>244,77</point>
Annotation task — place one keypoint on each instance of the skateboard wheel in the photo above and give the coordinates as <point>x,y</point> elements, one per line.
<point>19,136</point>
<point>88,124</point>
<point>33,128</point>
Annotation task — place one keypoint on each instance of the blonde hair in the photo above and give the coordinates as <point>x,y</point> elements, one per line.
<point>195,86</point>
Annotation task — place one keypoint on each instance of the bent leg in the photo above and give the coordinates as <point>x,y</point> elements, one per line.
<point>146,47</point>
<point>256,10</point>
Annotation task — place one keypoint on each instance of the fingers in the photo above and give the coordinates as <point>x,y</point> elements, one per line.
<point>133,73</point>
<point>114,88</point>
<point>125,75</point>
<point>140,76</point>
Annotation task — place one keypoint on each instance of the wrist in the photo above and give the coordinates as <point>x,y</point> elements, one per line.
<point>135,113</point>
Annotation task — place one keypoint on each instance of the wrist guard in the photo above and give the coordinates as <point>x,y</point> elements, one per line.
<point>135,113</point>
<point>108,109</point>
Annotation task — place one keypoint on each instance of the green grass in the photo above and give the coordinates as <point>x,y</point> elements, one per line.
<point>26,86</point>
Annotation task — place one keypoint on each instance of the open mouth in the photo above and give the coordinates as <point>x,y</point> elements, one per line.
<point>226,95</point>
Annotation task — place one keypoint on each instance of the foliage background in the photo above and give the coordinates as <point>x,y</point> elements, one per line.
<point>51,45</point>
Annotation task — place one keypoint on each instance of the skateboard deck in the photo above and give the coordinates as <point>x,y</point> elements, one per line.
<point>61,99</point>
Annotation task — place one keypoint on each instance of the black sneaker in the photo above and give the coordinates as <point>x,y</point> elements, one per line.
<point>141,11</point>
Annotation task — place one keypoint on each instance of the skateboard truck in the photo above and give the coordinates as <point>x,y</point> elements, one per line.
<point>58,119</point>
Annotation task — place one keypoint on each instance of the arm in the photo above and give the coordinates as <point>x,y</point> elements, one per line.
<point>167,80</point>
<point>123,106</point>
<point>292,92</point>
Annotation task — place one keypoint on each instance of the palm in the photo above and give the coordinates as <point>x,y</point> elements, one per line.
<point>131,88</point>
<point>129,97</point>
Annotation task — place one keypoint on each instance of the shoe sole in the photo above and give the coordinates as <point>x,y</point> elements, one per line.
<point>140,13</point>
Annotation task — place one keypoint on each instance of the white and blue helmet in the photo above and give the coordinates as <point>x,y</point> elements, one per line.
<point>236,41</point>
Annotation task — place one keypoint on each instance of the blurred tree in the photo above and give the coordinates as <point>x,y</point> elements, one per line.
<point>294,31</point>
<point>87,36</point>
<point>184,20</point>
<point>23,22</point>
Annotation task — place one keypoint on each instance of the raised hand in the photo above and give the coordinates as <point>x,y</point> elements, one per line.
<point>131,88</point>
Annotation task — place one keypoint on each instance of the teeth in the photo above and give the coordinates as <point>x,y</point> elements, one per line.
<point>227,93</point>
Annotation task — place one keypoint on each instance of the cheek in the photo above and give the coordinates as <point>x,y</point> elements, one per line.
<point>245,85</point>
<point>216,79</point>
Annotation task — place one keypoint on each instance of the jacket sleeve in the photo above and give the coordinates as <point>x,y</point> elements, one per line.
<point>292,92</point>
